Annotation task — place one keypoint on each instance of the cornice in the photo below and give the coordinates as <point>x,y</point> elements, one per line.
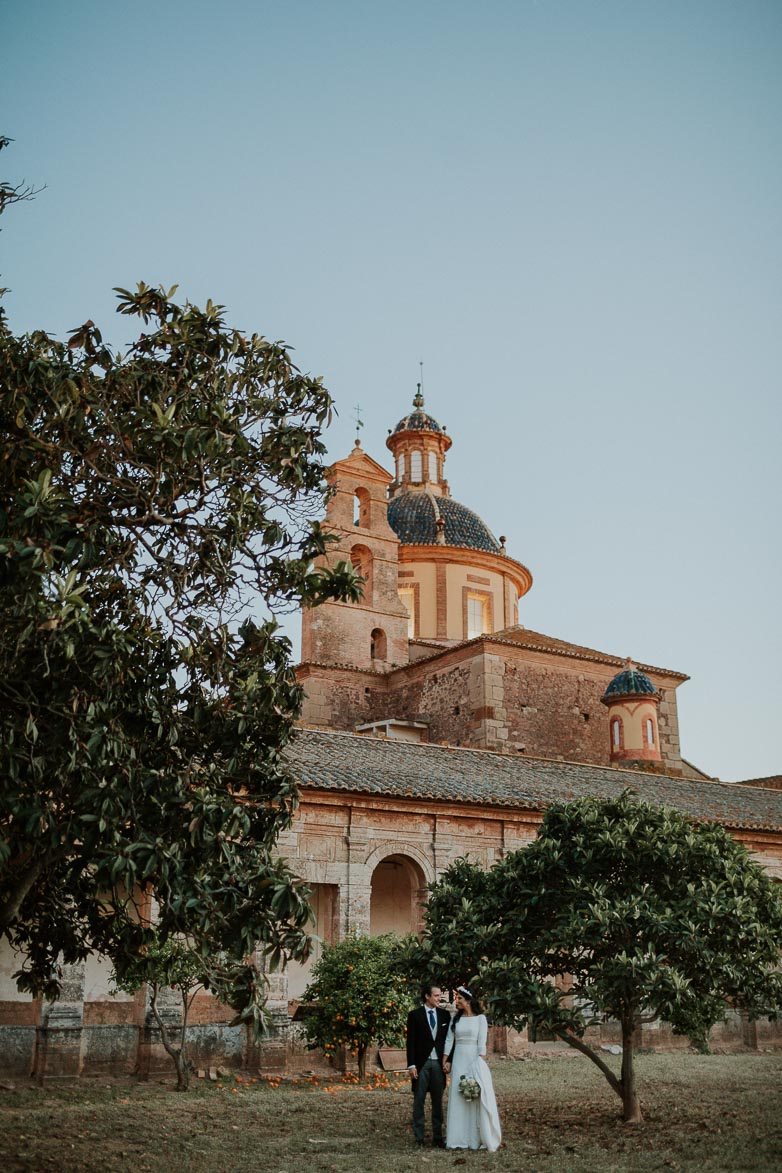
<point>467,556</point>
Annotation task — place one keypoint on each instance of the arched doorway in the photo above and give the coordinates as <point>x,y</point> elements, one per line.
<point>397,892</point>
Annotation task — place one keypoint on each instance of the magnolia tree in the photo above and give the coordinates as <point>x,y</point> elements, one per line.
<point>157,507</point>
<point>357,998</point>
<point>617,910</point>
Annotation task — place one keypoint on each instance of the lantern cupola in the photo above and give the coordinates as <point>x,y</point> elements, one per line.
<point>632,702</point>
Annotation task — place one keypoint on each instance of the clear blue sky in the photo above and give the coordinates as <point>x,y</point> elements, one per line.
<point>570,210</point>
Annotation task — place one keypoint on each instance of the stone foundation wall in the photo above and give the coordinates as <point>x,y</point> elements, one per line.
<point>131,1050</point>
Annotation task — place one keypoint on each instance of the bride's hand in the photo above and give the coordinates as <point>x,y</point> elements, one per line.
<point>446,1066</point>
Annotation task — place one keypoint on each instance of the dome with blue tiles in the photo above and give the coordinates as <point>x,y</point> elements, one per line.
<point>414,517</point>
<point>418,420</point>
<point>631,682</point>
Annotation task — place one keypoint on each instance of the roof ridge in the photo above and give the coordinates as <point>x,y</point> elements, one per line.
<point>496,755</point>
<point>594,655</point>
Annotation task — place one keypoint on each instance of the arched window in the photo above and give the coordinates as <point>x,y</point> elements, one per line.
<point>407,596</point>
<point>361,558</point>
<point>478,621</point>
<point>433,466</point>
<point>616,733</point>
<point>377,650</point>
<point>416,467</point>
<point>361,508</point>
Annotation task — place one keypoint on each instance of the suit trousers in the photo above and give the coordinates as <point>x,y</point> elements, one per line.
<point>431,1081</point>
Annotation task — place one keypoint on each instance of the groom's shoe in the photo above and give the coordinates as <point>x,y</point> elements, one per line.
<point>419,1142</point>
<point>438,1142</point>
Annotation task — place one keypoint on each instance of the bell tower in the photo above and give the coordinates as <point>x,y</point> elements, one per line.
<point>373,633</point>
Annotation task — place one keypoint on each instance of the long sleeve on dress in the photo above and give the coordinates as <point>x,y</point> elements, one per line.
<point>483,1035</point>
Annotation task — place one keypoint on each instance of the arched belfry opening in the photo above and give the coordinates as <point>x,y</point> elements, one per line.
<point>378,645</point>
<point>397,895</point>
<point>361,557</point>
<point>362,508</point>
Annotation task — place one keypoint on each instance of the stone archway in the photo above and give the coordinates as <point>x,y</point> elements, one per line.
<point>398,887</point>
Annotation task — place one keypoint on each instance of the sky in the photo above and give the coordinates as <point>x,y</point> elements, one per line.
<point>569,210</point>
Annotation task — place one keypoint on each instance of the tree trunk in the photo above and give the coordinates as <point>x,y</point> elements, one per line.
<point>362,1063</point>
<point>631,1108</point>
<point>176,1054</point>
<point>182,1071</point>
<point>625,1085</point>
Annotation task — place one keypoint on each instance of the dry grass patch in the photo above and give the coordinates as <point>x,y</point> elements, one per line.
<point>712,1112</point>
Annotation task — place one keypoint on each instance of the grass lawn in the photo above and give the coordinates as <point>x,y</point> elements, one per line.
<point>703,1112</point>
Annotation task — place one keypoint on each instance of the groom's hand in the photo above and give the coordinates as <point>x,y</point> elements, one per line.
<point>413,1072</point>
<point>446,1066</point>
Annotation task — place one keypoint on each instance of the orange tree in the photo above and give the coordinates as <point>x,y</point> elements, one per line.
<point>356,998</point>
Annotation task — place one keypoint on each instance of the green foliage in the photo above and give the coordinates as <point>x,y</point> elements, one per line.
<point>174,964</point>
<point>357,997</point>
<point>618,909</point>
<point>157,508</point>
<point>169,963</point>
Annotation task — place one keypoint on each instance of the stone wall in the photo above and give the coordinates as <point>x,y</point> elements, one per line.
<point>490,696</point>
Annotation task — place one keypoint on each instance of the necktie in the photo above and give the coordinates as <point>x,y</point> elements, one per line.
<point>432,1021</point>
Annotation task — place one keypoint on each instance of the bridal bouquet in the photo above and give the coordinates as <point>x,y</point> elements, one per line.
<point>469,1088</point>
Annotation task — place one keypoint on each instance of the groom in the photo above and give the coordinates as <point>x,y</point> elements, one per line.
<point>426,1030</point>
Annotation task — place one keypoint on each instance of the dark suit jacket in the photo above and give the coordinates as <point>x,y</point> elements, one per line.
<point>419,1036</point>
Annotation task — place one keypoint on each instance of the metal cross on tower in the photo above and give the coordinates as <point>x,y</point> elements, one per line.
<point>358,419</point>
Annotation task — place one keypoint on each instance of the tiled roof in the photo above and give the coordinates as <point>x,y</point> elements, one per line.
<point>536,641</point>
<point>631,682</point>
<point>772,782</point>
<point>512,637</point>
<point>418,421</point>
<point>413,517</point>
<point>356,764</point>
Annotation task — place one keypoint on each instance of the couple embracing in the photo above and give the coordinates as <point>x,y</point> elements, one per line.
<point>438,1045</point>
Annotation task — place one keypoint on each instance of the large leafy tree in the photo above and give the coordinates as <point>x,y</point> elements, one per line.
<point>157,507</point>
<point>618,909</point>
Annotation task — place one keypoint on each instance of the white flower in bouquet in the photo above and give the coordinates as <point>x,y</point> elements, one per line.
<point>469,1088</point>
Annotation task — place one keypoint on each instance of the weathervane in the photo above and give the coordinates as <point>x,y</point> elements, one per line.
<point>359,421</point>
<point>419,395</point>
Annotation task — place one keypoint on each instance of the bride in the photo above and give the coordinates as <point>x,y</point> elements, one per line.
<point>472,1123</point>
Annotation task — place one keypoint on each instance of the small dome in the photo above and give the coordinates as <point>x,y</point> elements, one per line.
<point>418,420</point>
<point>631,682</point>
<point>413,517</point>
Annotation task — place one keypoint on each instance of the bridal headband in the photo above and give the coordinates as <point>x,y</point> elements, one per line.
<point>463,990</point>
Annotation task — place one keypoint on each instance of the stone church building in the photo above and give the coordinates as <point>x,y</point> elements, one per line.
<point>435,725</point>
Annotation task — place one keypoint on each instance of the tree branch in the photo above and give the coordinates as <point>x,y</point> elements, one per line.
<point>25,881</point>
<point>578,1045</point>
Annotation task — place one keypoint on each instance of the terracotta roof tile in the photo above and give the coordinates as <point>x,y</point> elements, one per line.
<point>365,765</point>
<point>549,643</point>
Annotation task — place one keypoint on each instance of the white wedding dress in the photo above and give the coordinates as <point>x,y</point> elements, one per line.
<point>471,1124</point>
